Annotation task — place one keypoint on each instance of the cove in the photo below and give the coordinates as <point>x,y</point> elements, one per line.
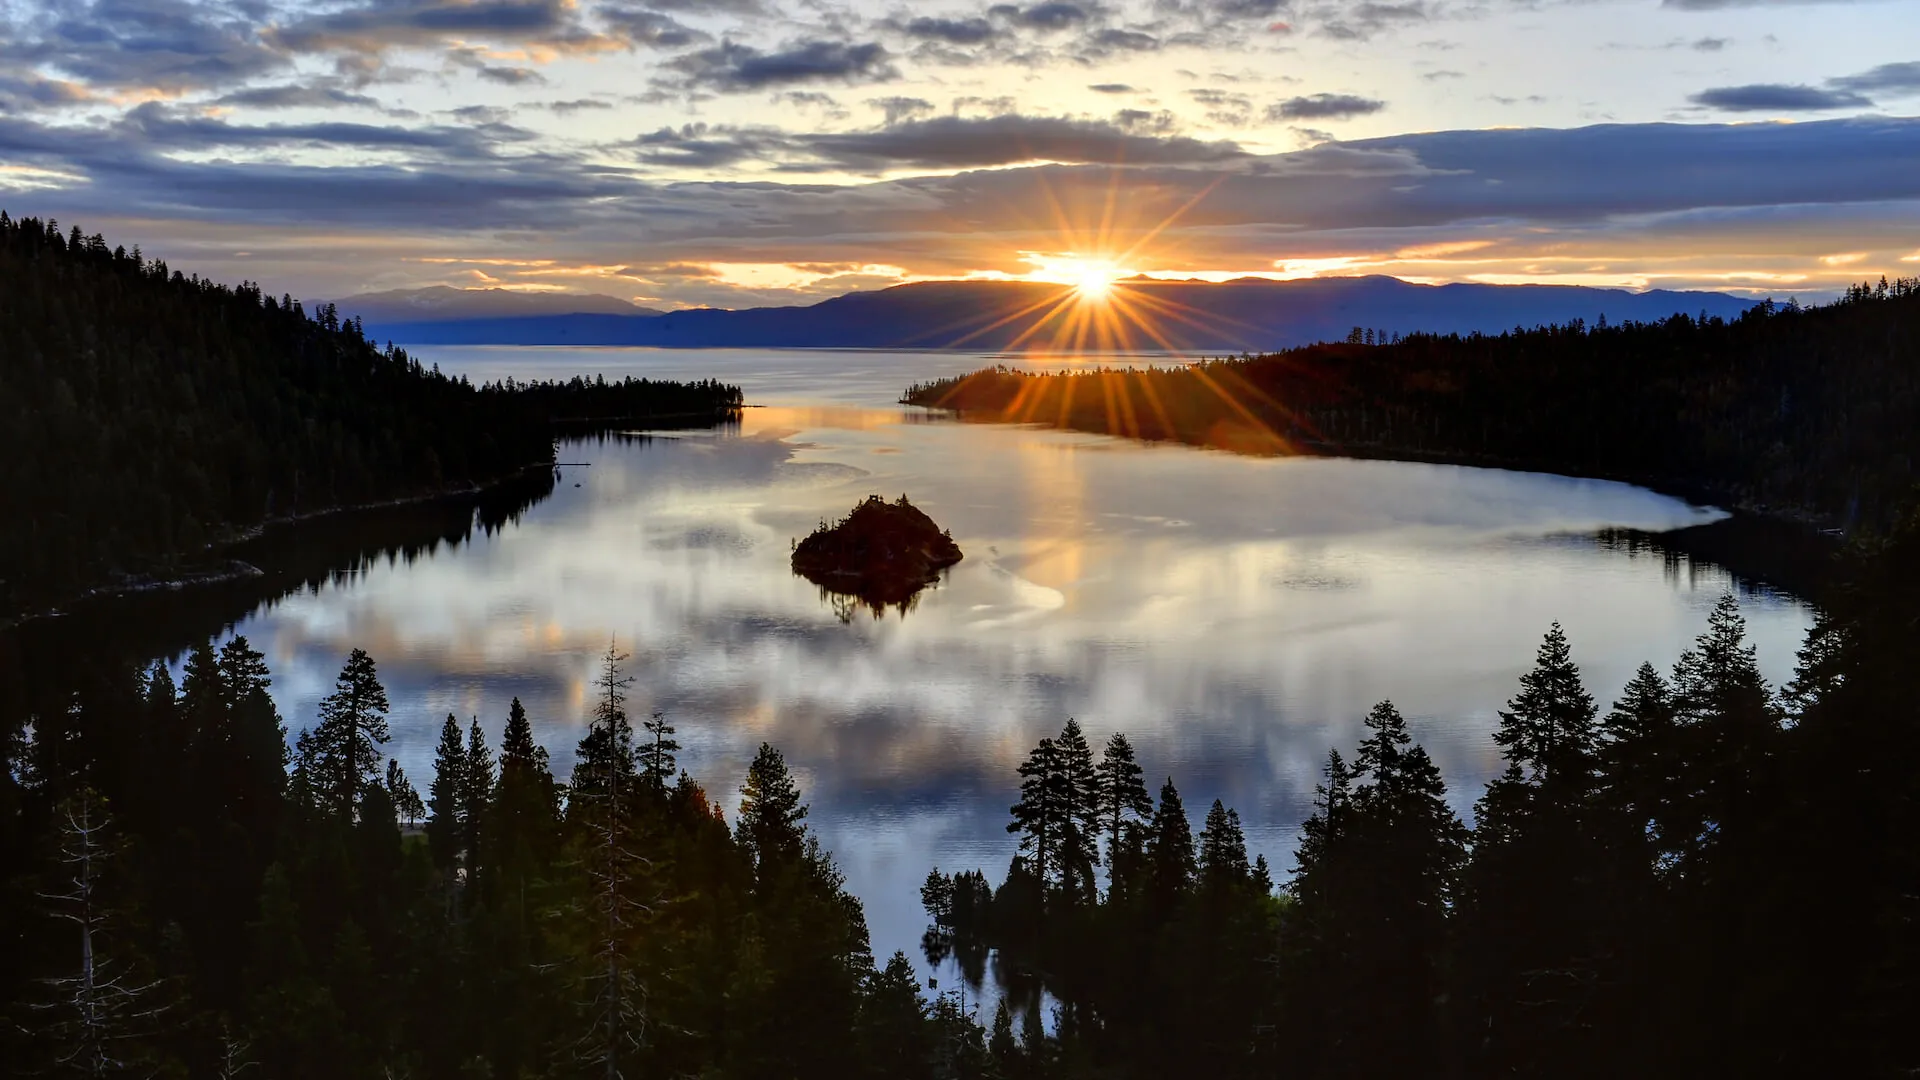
<point>1234,616</point>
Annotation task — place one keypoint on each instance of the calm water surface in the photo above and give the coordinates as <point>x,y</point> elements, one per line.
<point>1234,616</point>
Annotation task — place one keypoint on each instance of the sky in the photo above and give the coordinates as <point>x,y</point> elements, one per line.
<point>742,152</point>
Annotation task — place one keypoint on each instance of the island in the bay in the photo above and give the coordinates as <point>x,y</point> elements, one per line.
<point>880,555</point>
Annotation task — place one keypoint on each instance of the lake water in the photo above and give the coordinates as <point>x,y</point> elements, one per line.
<point>1234,616</point>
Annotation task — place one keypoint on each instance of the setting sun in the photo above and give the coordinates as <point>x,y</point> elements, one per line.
<point>1094,280</point>
<point>1088,276</point>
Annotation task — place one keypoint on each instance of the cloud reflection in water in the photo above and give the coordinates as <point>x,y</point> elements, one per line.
<point>1235,616</point>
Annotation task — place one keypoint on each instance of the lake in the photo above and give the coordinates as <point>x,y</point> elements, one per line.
<point>1234,616</point>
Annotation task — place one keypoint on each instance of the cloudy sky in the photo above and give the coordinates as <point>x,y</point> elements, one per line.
<point>737,152</point>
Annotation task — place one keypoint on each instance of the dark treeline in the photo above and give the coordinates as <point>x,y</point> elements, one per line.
<point>185,896</point>
<point>1712,877</point>
<point>145,414</point>
<point>1811,412</point>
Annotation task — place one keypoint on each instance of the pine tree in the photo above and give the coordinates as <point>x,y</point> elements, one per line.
<point>1223,850</point>
<point>476,790</point>
<point>353,723</point>
<point>203,706</point>
<point>406,800</point>
<point>446,797</point>
<point>1002,1048</point>
<point>243,670</point>
<point>1170,862</point>
<point>656,755</point>
<point>1410,847</point>
<point>1040,816</point>
<point>1548,728</point>
<point>770,829</point>
<point>1403,807</point>
<point>1729,725</point>
<point>518,751</point>
<point>1080,828</point>
<point>604,785</point>
<point>243,766</point>
<point>1322,838</point>
<point>605,756</point>
<point>1640,763</point>
<point>525,810</point>
<point>1122,790</point>
<point>893,1022</point>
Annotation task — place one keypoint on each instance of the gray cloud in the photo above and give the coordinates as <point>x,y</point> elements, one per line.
<point>1134,137</point>
<point>701,145</point>
<point>1708,44</point>
<point>812,99</point>
<point>566,108</point>
<point>731,67</point>
<point>1224,107</point>
<point>897,109</point>
<point>1051,15</point>
<point>168,45</point>
<point>963,142</point>
<point>1358,22</point>
<point>1110,88</point>
<point>1324,107</point>
<point>1887,79</point>
<point>507,75</point>
<point>1146,121</point>
<point>971,30</point>
<point>388,23</point>
<point>993,106</point>
<point>1223,10</point>
<point>1111,40</point>
<point>640,26</point>
<point>30,92</point>
<point>295,96</point>
<point>1777,97</point>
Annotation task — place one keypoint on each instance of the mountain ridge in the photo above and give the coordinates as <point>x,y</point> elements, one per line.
<point>1244,314</point>
<point>447,303</point>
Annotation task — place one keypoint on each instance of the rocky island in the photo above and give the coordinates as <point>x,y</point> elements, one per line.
<point>881,554</point>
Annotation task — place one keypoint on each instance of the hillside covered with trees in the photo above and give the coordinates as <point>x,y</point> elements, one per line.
<point>1811,413</point>
<point>1712,876</point>
<point>145,414</point>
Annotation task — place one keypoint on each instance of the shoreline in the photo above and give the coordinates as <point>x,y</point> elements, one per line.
<point>199,574</point>
<point>1807,542</point>
<point>213,565</point>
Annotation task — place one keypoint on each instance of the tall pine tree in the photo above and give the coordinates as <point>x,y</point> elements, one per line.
<point>342,751</point>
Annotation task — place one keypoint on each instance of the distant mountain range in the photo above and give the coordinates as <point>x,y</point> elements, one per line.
<point>443,303</point>
<point>1251,314</point>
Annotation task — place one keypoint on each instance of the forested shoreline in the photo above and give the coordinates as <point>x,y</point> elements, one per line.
<point>1811,414</point>
<point>146,416</point>
<point>1713,876</point>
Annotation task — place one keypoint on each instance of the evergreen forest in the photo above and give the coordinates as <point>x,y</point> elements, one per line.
<point>1811,413</point>
<point>146,414</point>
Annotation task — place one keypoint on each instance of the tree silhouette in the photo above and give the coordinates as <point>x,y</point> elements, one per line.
<point>342,750</point>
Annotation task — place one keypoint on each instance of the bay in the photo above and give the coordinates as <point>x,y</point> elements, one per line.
<point>1235,616</point>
